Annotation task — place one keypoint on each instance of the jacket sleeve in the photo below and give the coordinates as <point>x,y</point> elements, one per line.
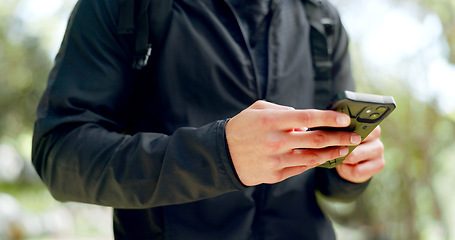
<point>328,181</point>
<point>79,149</point>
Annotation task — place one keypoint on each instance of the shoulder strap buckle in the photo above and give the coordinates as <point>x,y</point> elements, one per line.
<point>321,34</point>
<point>142,60</point>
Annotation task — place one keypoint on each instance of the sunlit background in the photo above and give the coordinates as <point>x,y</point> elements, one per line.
<point>403,48</point>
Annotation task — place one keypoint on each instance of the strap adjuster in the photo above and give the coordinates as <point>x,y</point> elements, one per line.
<point>142,60</point>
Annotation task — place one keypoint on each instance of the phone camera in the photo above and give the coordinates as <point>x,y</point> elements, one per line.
<point>372,114</point>
<point>375,116</point>
<point>381,109</point>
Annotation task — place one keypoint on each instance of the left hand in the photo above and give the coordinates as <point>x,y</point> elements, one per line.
<point>365,161</point>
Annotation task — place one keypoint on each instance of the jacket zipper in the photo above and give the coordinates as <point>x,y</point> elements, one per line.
<point>270,71</point>
<point>250,55</point>
<point>271,68</point>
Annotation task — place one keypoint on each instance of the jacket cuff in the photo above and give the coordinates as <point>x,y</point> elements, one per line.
<point>225,156</point>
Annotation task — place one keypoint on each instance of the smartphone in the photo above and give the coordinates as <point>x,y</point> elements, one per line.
<point>366,112</point>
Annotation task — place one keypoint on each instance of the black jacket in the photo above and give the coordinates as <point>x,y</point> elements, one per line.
<point>151,144</point>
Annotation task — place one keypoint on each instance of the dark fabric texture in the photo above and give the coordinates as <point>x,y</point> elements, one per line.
<point>151,144</point>
<point>254,17</point>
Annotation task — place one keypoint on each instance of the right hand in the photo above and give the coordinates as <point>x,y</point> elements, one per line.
<point>268,143</point>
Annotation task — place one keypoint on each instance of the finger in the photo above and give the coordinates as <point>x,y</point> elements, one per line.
<point>285,141</point>
<point>309,157</point>
<point>375,134</point>
<point>365,151</point>
<point>310,118</point>
<point>361,172</point>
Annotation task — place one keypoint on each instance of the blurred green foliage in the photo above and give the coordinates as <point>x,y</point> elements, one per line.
<point>23,70</point>
<point>405,201</point>
<point>445,9</point>
<point>24,65</point>
<point>27,210</point>
<point>410,199</point>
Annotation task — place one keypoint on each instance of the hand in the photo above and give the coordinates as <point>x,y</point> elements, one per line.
<point>267,144</point>
<point>365,161</point>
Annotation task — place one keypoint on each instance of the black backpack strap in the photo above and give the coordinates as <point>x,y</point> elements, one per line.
<point>321,38</point>
<point>148,19</point>
<point>126,17</point>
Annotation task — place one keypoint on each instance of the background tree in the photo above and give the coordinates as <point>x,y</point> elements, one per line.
<point>410,199</point>
<point>23,70</point>
<point>27,210</point>
<point>405,201</point>
<point>445,9</point>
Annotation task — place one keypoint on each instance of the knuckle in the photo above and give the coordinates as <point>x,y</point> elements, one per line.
<point>378,130</point>
<point>275,163</point>
<point>274,143</point>
<point>258,104</point>
<point>267,121</point>
<point>381,164</point>
<point>355,173</point>
<point>312,158</point>
<point>381,146</point>
<point>319,139</point>
<point>376,133</point>
<point>354,154</point>
<point>304,117</point>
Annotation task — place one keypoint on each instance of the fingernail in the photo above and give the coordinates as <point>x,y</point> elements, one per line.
<point>344,151</point>
<point>343,120</point>
<point>356,139</point>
